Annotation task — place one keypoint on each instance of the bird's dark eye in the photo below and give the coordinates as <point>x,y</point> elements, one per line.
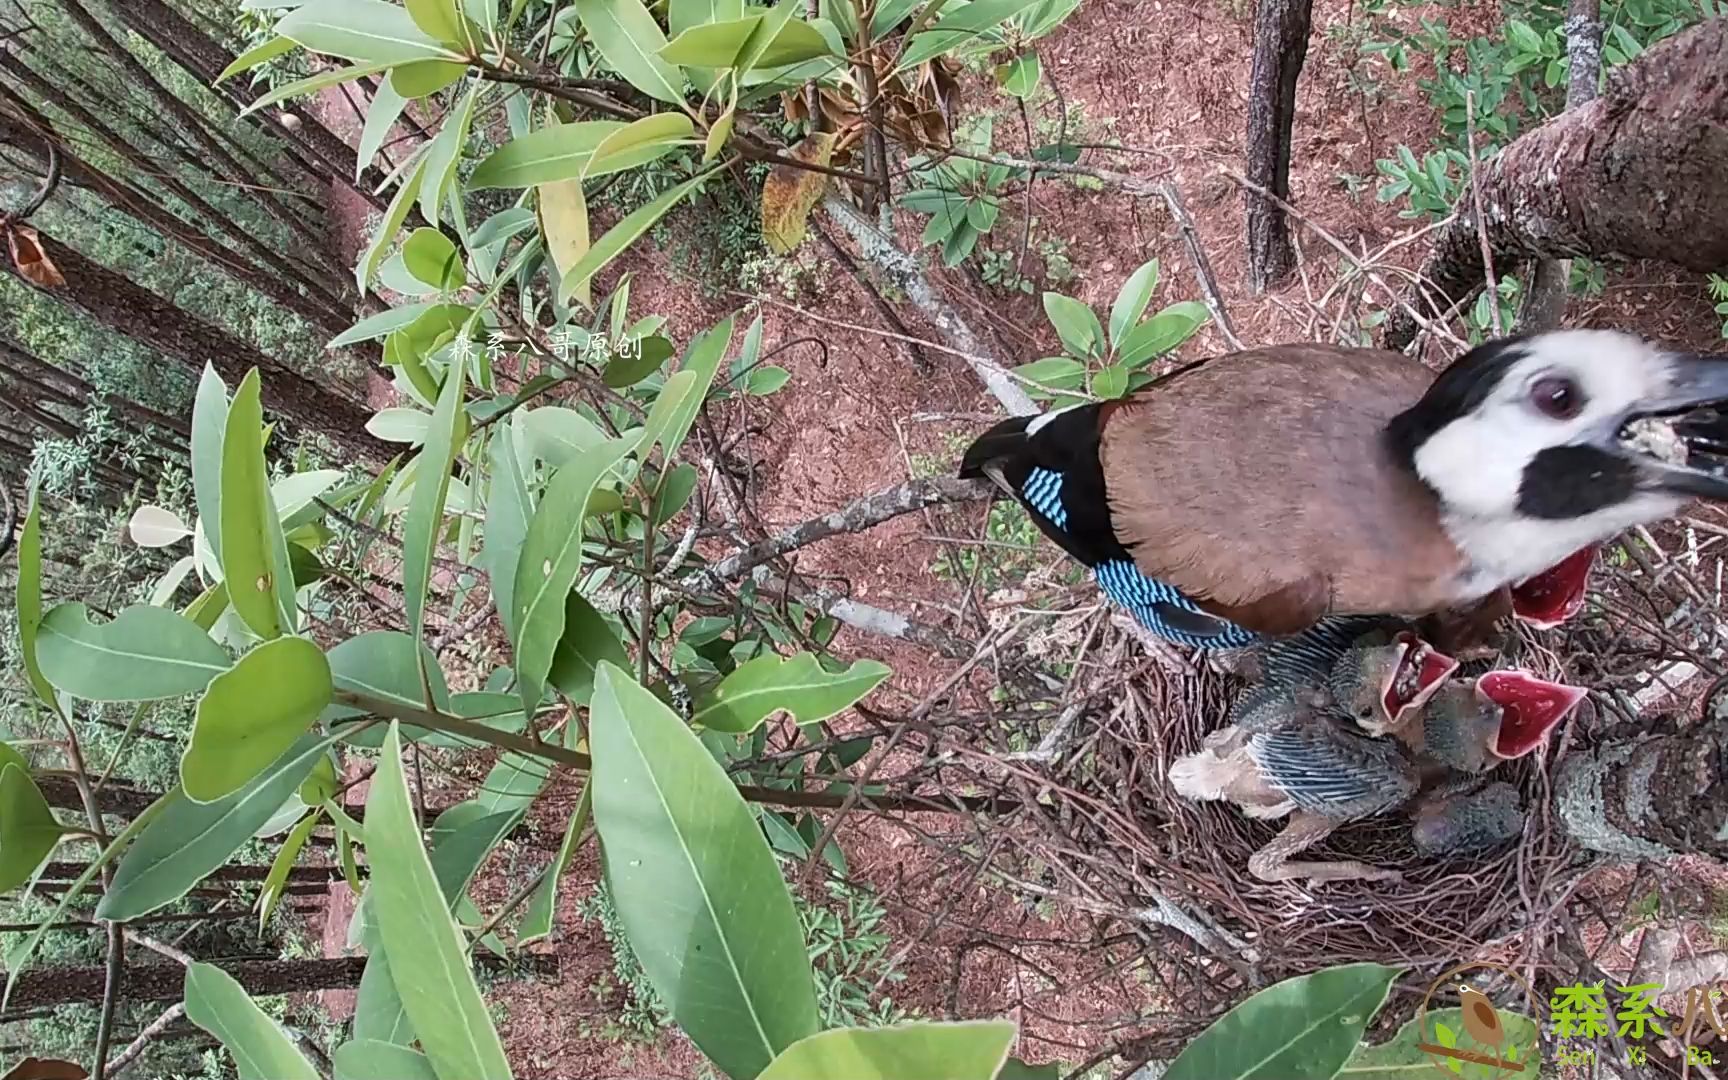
<point>1557,397</point>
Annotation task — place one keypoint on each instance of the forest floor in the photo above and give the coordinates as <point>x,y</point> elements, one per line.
<point>1167,78</point>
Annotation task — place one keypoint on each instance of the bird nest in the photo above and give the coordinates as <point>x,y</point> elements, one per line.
<point>1104,830</point>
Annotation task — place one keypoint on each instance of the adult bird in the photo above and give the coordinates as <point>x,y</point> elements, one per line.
<point>1248,496</point>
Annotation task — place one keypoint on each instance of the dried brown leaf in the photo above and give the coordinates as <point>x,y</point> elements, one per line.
<point>32,262</point>
<point>790,193</point>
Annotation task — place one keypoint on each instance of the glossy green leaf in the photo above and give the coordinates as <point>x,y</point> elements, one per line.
<point>483,13</point>
<point>440,19</point>
<point>795,42</point>
<point>397,213</point>
<point>1057,372</point>
<point>386,665</point>
<point>461,839</point>
<point>432,257</point>
<point>551,557</point>
<point>442,156</point>
<point>639,142</point>
<point>381,115</point>
<point>537,923</point>
<point>428,957</point>
<point>256,55</point>
<point>644,361</point>
<point>1110,382</point>
<point>558,152</point>
<point>766,32</point>
<point>625,233</point>
<point>1131,301</point>
<point>28,831</point>
<point>28,600</point>
<point>423,78</point>
<point>767,380</point>
<point>1161,333</point>
<point>970,27</point>
<point>586,641</point>
<point>674,492</point>
<point>186,841</point>
<point>260,1048</point>
<point>425,520</point>
<point>797,684</point>
<point>369,1059</point>
<point>209,421</point>
<point>254,554</point>
<point>961,1050</point>
<point>508,512</point>
<point>271,892</point>
<point>1303,1028</point>
<point>251,714</point>
<point>701,359</point>
<point>630,40</point>
<point>312,84</point>
<point>1400,1059</point>
<point>367,31</point>
<point>378,1011</point>
<point>700,895</point>
<point>710,45</point>
<point>144,653</point>
<point>1075,324</point>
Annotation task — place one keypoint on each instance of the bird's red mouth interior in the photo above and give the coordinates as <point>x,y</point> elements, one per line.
<point>1531,708</point>
<point>1556,594</point>
<point>1420,670</point>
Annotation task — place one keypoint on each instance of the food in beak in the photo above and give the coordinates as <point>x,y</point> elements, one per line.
<point>1556,594</point>
<point>1531,708</point>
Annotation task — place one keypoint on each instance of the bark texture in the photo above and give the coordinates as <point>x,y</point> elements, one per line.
<point>1635,174</point>
<point>1280,48</point>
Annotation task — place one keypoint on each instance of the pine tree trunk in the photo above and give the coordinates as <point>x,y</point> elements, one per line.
<point>1280,48</point>
<point>1635,174</point>
<point>134,312</point>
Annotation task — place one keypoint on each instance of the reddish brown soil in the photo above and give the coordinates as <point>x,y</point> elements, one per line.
<point>1170,75</point>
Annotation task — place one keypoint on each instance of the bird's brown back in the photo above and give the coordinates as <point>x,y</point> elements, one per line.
<point>1259,484</point>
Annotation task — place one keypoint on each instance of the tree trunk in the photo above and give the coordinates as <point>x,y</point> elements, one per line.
<point>139,314</point>
<point>64,386</point>
<point>1545,293</point>
<point>1280,47</point>
<point>1635,174</point>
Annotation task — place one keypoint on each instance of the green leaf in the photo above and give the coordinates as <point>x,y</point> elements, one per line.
<point>428,958</point>
<point>367,31</point>
<point>209,421</point>
<point>625,233</point>
<point>1131,301</point>
<point>260,1048</point>
<point>674,492</point>
<point>710,45</point>
<point>423,78</point>
<point>683,14</point>
<point>271,892</point>
<point>28,831</point>
<point>369,1059</point>
<point>638,143</point>
<point>28,598</point>
<point>563,211</point>
<point>376,326</point>
<point>586,641</point>
<point>439,18</point>
<point>462,837</point>
<point>960,1050</point>
<point>964,27</point>
<point>1056,372</point>
<point>1161,333</point>
<point>558,152</point>
<point>251,714</point>
<point>766,380</point>
<point>630,41</point>
<point>256,55</point>
<point>403,201</point>
<point>378,1011</point>
<point>622,370</point>
<point>484,14</point>
<point>432,257</point>
<point>187,841</point>
<point>143,654</point>
<point>551,557</point>
<point>1303,1028</point>
<point>702,360</point>
<point>700,895</point>
<point>508,511</point>
<point>1019,76</point>
<point>1015,1069</point>
<point>796,42</point>
<point>311,85</point>
<point>537,923</point>
<point>254,555</point>
<point>1075,323</point>
<point>386,665</point>
<point>400,425</point>
<point>1111,382</point>
<point>1399,1058</point>
<point>442,156</point>
<point>425,520</point>
<point>797,684</point>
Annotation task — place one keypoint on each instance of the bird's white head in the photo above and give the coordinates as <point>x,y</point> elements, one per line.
<point>1542,445</point>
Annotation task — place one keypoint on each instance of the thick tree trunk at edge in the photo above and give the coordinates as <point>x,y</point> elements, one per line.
<point>1280,48</point>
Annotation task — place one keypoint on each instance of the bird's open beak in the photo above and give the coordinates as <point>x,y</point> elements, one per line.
<point>1681,436</point>
<point>1556,594</point>
<point>1531,708</point>
<point>1420,671</point>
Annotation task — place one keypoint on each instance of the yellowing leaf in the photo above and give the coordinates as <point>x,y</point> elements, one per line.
<point>564,220</point>
<point>790,193</point>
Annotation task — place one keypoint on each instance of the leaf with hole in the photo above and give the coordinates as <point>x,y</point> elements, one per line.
<point>251,714</point>
<point>184,843</point>
<point>428,956</point>
<point>797,684</point>
<point>260,1048</point>
<point>1304,1028</point>
<point>960,1050</point>
<point>700,895</point>
<point>144,653</point>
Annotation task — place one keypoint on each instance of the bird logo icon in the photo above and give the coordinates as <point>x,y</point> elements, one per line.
<point>1478,1041</point>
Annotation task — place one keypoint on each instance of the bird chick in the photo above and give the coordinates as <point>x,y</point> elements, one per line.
<point>1472,726</point>
<point>1467,821</point>
<point>1375,670</point>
